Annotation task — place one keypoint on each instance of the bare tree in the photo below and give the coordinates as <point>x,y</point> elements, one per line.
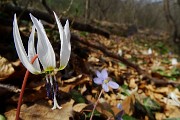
<point>87,10</point>
<point>171,21</point>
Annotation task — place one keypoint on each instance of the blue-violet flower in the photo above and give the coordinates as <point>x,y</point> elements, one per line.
<point>106,82</point>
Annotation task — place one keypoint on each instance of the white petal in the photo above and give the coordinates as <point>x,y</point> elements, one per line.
<point>65,43</point>
<point>20,48</point>
<point>149,51</point>
<point>44,48</point>
<point>67,33</point>
<point>174,61</point>
<point>31,49</point>
<point>174,97</point>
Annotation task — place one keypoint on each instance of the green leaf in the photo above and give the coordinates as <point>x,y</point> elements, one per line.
<point>122,65</point>
<point>77,97</point>
<point>127,117</point>
<point>2,117</point>
<point>96,113</point>
<point>151,104</point>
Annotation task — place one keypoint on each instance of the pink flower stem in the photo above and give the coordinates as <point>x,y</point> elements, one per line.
<point>23,88</point>
<point>96,104</point>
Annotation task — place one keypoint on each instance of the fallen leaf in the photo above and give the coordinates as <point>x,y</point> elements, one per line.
<point>6,68</point>
<point>79,107</point>
<point>83,89</point>
<point>105,108</point>
<point>41,111</point>
<point>132,83</point>
<point>128,104</point>
<point>75,81</point>
<point>172,111</point>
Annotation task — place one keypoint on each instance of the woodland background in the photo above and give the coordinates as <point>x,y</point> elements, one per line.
<point>111,34</point>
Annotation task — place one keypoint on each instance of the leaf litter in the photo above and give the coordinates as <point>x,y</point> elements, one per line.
<point>78,93</point>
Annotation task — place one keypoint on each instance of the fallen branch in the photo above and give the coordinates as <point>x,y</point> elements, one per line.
<point>126,62</point>
<point>10,88</point>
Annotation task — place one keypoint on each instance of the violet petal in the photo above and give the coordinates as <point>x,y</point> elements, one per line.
<point>113,84</point>
<point>98,81</point>
<point>104,74</point>
<point>105,87</point>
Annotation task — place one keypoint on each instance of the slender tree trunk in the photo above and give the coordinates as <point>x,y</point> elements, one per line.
<point>87,12</point>
<point>172,23</point>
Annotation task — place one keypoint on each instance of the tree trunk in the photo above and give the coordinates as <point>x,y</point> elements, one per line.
<point>87,11</point>
<point>172,23</point>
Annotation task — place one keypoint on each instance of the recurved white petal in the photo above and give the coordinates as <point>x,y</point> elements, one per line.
<point>20,48</point>
<point>31,49</point>
<point>65,44</point>
<point>44,48</point>
<point>67,33</point>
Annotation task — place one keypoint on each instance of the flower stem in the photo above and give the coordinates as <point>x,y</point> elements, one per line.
<point>96,104</point>
<point>23,88</point>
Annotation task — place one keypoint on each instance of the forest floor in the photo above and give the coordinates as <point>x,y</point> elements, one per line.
<point>141,99</point>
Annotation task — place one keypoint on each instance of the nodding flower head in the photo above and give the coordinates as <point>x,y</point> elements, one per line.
<point>106,82</point>
<point>46,55</point>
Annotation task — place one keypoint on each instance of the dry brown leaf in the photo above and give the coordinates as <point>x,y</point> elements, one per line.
<point>132,83</point>
<point>90,98</point>
<point>79,107</point>
<point>6,68</point>
<point>160,116</point>
<point>41,111</point>
<point>104,108</point>
<point>71,84</point>
<point>83,89</point>
<point>163,90</point>
<point>74,79</point>
<point>128,104</point>
<point>172,111</point>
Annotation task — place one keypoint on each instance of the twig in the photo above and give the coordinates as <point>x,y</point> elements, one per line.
<point>47,7</point>
<point>10,88</point>
<point>69,7</point>
<point>23,88</point>
<point>96,104</point>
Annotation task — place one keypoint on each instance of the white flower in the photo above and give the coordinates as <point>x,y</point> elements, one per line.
<point>149,51</point>
<point>174,61</point>
<point>174,97</point>
<point>120,52</point>
<point>45,52</point>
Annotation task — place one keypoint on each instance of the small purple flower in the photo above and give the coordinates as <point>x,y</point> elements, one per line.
<point>106,82</point>
<point>121,113</point>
